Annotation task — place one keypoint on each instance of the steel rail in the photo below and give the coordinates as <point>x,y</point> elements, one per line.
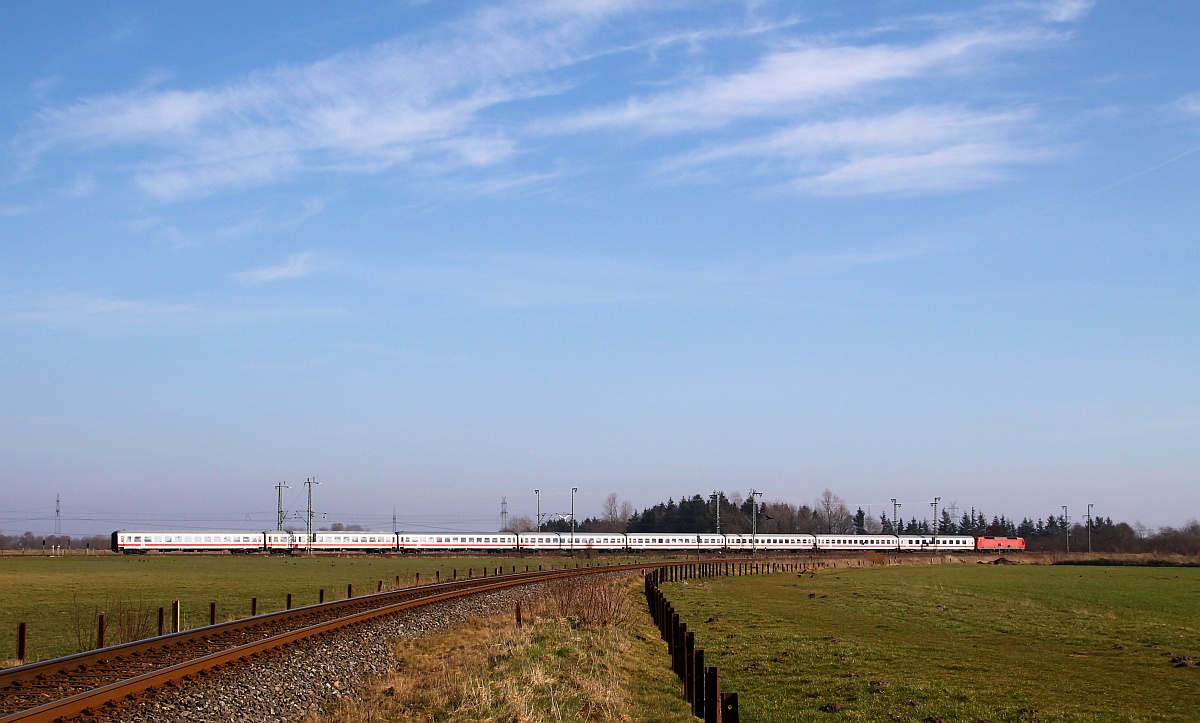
<point>18,675</point>
<point>91,700</point>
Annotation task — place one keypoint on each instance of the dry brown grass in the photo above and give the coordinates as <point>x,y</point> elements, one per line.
<point>568,662</point>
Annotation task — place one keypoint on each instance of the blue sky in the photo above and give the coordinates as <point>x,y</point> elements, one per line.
<point>437,254</point>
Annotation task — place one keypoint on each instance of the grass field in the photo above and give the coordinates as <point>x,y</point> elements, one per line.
<point>953,643</point>
<point>58,597</point>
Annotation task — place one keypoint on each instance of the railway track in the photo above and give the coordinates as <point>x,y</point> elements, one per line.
<point>83,684</point>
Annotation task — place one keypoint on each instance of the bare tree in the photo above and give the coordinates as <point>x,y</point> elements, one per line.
<point>616,514</point>
<point>832,512</point>
<point>520,523</point>
<point>612,510</point>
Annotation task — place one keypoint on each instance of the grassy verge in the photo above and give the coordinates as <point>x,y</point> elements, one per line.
<point>563,664</point>
<point>954,643</point>
<point>58,597</point>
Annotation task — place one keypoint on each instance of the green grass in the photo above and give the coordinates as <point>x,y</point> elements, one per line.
<point>953,642</point>
<point>55,596</point>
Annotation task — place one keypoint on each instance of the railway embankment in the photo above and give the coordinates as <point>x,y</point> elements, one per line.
<point>285,686</point>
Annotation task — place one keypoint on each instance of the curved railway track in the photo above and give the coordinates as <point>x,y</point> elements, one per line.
<point>80,684</point>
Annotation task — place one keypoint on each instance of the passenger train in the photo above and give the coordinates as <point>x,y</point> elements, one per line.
<point>135,541</point>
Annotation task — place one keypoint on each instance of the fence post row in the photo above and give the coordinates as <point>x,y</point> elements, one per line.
<point>701,684</point>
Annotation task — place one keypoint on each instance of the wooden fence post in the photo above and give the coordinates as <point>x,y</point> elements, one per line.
<point>21,642</point>
<point>100,630</point>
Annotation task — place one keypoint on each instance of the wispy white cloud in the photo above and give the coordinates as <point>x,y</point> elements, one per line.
<point>86,308</point>
<point>440,101</point>
<point>786,82</point>
<point>415,99</point>
<point>1065,11</point>
<point>834,100</point>
<point>1189,104</point>
<point>913,150</point>
<point>297,266</point>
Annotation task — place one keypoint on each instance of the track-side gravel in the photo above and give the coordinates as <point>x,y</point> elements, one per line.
<point>284,685</point>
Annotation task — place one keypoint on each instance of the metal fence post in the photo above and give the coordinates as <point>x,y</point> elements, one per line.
<point>712,695</point>
<point>729,708</point>
<point>689,667</point>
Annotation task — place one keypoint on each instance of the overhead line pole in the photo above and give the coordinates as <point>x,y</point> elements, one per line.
<point>573,491</point>
<point>1066,530</point>
<point>309,517</point>
<point>1089,528</point>
<point>279,515</point>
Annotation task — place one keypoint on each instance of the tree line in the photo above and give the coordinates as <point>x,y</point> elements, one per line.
<point>53,543</point>
<point>829,514</point>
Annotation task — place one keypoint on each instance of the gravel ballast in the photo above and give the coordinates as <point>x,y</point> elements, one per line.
<point>284,685</point>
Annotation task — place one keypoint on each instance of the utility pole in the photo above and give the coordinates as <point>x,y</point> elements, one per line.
<point>309,517</point>
<point>279,514</point>
<point>538,494</point>
<point>1066,530</point>
<point>503,514</point>
<point>935,502</point>
<point>754,497</point>
<point>573,491</point>
<point>895,514</point>
<point>58,514</point>
<point>393,518</point>
<point>1089,528</point>
<point>716,496</point>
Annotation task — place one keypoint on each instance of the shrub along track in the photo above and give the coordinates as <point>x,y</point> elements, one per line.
<point>84,683</point>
